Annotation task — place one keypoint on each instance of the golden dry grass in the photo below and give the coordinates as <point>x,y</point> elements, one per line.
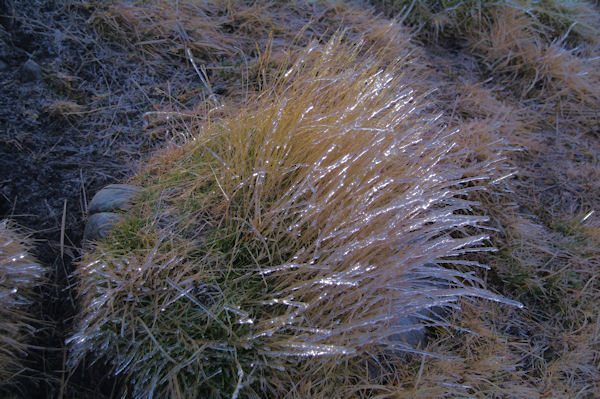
<point>20,275</point>
<point>511,45</point>
<point>540,49</point>
<point>290,236</point>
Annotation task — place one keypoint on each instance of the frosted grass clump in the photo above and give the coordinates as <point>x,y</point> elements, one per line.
<point>20,274</point>
<point>288,239</point>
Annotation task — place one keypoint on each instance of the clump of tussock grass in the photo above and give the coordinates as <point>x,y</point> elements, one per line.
<point>510,44</point>
<point>538,48</point>
<point>279,249</point>
<point>20,275</point>
<point>555,19</point>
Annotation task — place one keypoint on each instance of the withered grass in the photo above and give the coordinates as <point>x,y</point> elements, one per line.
<point>20,277</point>
<point>290,236</point>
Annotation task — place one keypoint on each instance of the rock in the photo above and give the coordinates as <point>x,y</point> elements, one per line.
<point>410,328</point>
<point>105,209</point>
<point>112,198</point>
<point>3,65</point>
<point>31,71</point>
<point>412,333</point>
<point>99,225</point>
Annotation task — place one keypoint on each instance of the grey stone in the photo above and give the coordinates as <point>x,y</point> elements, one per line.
<point>412,332</point>
<point>114,197</point>
<point>410,328</point>
<point>31,71</point>
<point>3,65</point>
<point>99,225</point>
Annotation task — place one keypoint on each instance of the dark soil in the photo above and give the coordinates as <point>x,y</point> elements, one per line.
<point>66,130</point>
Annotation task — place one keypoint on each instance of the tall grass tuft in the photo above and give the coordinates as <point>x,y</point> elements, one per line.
<point>577,19</point>
<point>537,48</point>
<point>290,240</point>
<point>20,275</point>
